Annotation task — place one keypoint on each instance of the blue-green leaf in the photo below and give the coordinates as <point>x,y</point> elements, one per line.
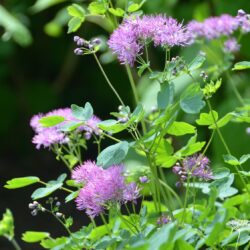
<point>165,96</point>
<point>82,114</point>
<point>191,100</point>
<point>112,155</point>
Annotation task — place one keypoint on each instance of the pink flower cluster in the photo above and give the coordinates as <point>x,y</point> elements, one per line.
<point>48,136</point>
<point>102,188</point>
<point>215,27</point>
<point>129,38</point>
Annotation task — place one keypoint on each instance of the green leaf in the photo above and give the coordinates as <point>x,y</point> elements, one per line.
<point>181,245</point>
<point>163,236</point>
<point>21,182</point>
<point>165,96</point>
<point>223,186</point>
<point>191,100</point>
<point>52,243</point>
<point>75,10</point>
<point>112,126</point>
<point>242,65</point>
<point>70,126</point>
<point>44,4</point>
<point>231,160</point>
<point>245,173</point>
<point>133,7</point>
<point>7,225</point>
<point>71,196</point>
<point>82,114</point>
<point>14,28</point>
<point>207,119</point>
<point>137,114</point>
<point>45,191</point>
<point>219,173</point>
<point>32,236</point>
<point>191,147</point>
<point>223,121</point>
<point>197,62</point>
<point>112,155</point>
<point>244,158</point>
<point>117,12</point>
<point>50,188</point>
<point>181,128</point>
<point>74,24</point>
<point>97,8</point>
<point>50,121</point>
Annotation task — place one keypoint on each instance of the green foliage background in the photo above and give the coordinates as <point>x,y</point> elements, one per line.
<point>39,72</point>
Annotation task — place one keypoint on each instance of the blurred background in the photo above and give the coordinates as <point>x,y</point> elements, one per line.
<point>39,72</point>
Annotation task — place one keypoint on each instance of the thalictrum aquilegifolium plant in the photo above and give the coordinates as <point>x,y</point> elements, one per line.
<point>140,207</point>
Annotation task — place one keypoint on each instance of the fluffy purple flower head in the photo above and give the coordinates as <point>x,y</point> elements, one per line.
<point>196,166</point>
<point>213,27</point>
<point>102,188</point>
<point>131,192</point>
<point>91,127</point>
<point>231,45</point>
<point>168,32</point>
<point>48,136</point>
<point>243,21</point>
<point>128,39</point>
<point>124,43</point>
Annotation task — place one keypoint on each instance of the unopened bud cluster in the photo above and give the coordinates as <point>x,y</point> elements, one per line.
<point>84,45</point>
<point>35,207</point>
<point>124,114</point>
<point>179,65</point>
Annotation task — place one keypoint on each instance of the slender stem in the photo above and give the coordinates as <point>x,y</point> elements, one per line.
<point>15,244</point>
<point>226,147</point>
<point>186,199</point>
<point>107,80</point>
<point>235,90</point>
<point>105,223</point>
<point>136,97</point>
<point>62,188</point>
<point>164,184</point>
<point>111,137</point>
<point>93,221</point>
<point>132,83</point>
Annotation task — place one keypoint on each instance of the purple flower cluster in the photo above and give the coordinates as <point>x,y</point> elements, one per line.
<point>52,135</point>
<point>231,45</point>
<point>47,137</point>
<point>215,27</point>
<point>128,39</point>
<point>196,166</point>
<point>163,219</point>
<point>102,188</point>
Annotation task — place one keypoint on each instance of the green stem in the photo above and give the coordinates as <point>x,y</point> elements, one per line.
<point>167,187</point>
<point>62,188</point>
<point>185,199</point>
<point>136,97</point>
<point>105,223</point>
<point>235,90</point>
<point>107,80</point>
<point>226,147</point>
<point>111,137</point>
<point>15,244</point>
